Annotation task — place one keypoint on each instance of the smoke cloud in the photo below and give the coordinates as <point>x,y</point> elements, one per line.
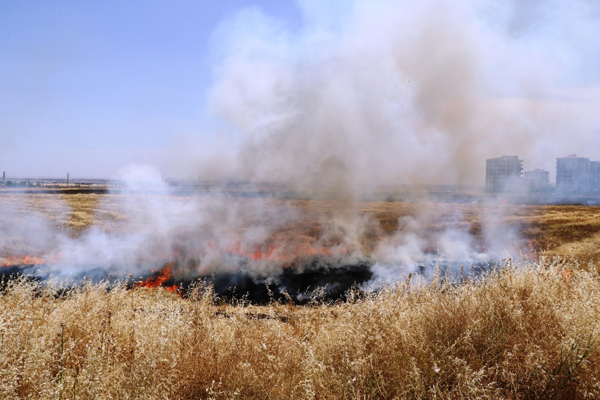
<point>381,92</point>
<point>364,93</point>
<point>263,239</point>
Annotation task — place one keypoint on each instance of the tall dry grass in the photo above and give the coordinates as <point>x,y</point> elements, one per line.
<point>524,332</point>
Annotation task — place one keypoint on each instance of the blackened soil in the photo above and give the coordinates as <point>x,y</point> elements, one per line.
<point>315,281</point>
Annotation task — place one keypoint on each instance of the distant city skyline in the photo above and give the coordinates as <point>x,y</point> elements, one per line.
<point>575,175</point>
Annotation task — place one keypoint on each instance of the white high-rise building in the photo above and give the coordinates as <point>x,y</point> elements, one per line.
<point>575,175</point>
<point>503,174</point>
<point>538,179</point>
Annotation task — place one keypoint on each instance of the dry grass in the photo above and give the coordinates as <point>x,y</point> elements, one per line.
<point>523,333</point>
<point>557,231</point>
<point>526,332</point>
<point>75,212</point>
<point>563,231</point>
<point>572,231</point>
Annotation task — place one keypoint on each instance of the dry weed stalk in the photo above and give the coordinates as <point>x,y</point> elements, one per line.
<point>521,333</point>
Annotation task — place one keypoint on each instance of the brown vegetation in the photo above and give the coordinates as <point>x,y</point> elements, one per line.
<point>523,333</point>
<point>563,231</point>
<point>526,332</point>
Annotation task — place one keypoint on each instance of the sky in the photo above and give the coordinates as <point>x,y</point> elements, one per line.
<point>89,87</point>
<point>322,94</point>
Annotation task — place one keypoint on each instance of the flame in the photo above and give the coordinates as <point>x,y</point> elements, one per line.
<point>174,289</point>
<point>26,260</point>
<point>157,281</point>
<point>165,274</point>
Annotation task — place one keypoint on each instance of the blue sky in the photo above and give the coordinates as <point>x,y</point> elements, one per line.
<point>89,86</point>
<point>316,92</point>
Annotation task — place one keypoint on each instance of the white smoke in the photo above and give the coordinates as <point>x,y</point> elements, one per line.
<point>366,93</point>
<point>204,233</point>
<point>394,91</point>
<point>27,228</point>
<point>213,233</point>
<point>415,249</point>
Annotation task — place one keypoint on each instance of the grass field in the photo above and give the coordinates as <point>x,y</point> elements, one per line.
<point>523,333</point>
<point>529,331</point>
<point>562,231</point>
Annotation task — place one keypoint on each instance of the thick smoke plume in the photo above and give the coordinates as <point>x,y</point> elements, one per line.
<point>263,239</point>
<point>382,92</point>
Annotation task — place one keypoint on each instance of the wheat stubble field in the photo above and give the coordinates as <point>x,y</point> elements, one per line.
<point>528,331</point>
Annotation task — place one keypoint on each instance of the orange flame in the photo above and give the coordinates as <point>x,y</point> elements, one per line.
<point>174,289</point>
<point>157,281</point>
<point>26,260</point>
<point>164,275</point>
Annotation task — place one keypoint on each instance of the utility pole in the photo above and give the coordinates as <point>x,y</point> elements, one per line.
<point>3,178</point>
<point>67,179</point>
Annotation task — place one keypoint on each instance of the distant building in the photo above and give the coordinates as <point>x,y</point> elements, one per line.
<point>503,174</point>
<point>538,179</point>
<point>577,175</point>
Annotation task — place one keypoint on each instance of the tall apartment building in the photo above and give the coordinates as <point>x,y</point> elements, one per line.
<point>577,175</point>
<point>503,174</point>
<point>538,179</point>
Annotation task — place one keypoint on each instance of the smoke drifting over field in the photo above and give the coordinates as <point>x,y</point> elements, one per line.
<point>381,92</point>
<point>250,241</point>
<point>362,94</point>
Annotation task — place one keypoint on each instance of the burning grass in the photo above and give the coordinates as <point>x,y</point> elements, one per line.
<point>565,231</point>
<point>527,331</point>
<point>523,332</point>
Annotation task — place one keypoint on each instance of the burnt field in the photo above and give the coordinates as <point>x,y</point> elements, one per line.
<point>315,281</point>
<point>261,298</point>
<point>303,248</point>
